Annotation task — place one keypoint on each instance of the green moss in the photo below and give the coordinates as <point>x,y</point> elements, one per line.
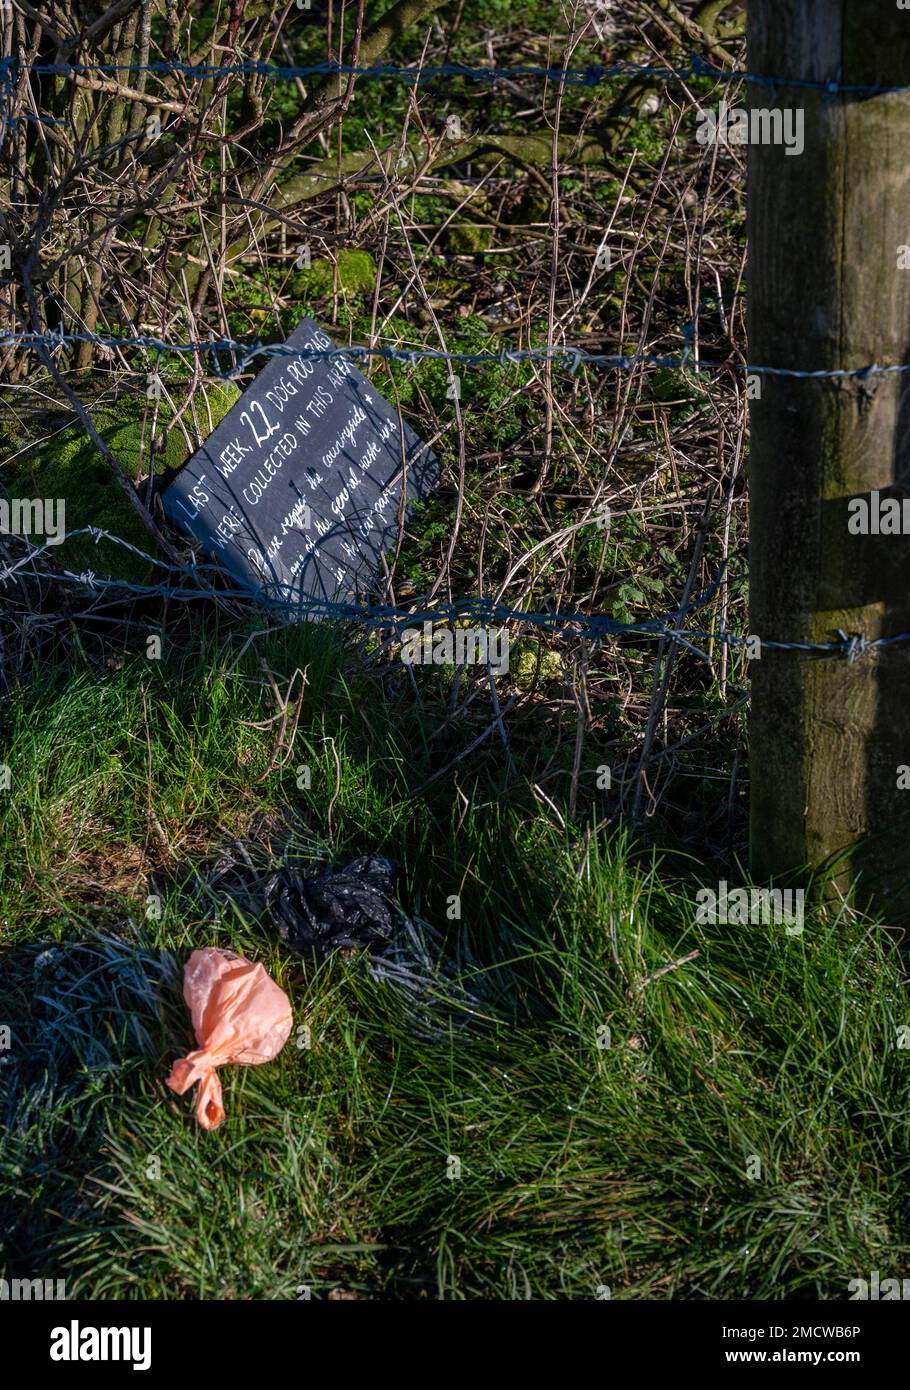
<point>533,207</point>
<point>70,469</point>
<point>681,391</point>
<point>466,241</point>
<point>444,290</point>
<point>648,141</point>
<point>529,659</point>
<point>356,277</point>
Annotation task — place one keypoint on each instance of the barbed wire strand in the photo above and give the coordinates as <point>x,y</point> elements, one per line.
<point>590,75</point>
<point>572,357</point>
<point>597,626</point>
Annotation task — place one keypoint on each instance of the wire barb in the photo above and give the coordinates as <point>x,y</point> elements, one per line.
<point>854,646</point>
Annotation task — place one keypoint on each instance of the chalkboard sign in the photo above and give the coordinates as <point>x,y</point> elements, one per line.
<point>306,480</point>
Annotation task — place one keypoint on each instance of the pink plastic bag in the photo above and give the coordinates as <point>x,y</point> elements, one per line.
<point>239,1015</point>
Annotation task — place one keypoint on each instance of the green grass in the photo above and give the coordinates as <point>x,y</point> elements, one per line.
<point>579,1165</point>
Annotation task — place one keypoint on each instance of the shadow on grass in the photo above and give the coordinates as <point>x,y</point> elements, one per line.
<point>88,1021</point>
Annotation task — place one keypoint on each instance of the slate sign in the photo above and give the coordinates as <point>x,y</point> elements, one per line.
<point>299,490</point>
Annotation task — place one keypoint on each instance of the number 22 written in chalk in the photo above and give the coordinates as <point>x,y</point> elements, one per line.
<point>270,428</point>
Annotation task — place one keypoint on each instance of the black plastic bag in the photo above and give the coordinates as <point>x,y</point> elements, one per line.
<point>342,909</point>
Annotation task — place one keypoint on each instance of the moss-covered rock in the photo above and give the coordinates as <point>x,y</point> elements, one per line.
<point>69,469</point>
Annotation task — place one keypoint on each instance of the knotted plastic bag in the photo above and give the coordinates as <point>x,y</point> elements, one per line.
<point>239,1015</point>
<point>339,910</point>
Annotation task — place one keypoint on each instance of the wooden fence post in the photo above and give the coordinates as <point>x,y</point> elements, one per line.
<point>829,287</point>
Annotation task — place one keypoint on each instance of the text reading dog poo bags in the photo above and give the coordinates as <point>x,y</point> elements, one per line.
<point>298,490</point>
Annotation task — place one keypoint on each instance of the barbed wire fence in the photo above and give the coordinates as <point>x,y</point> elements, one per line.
<point>595,627</point>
